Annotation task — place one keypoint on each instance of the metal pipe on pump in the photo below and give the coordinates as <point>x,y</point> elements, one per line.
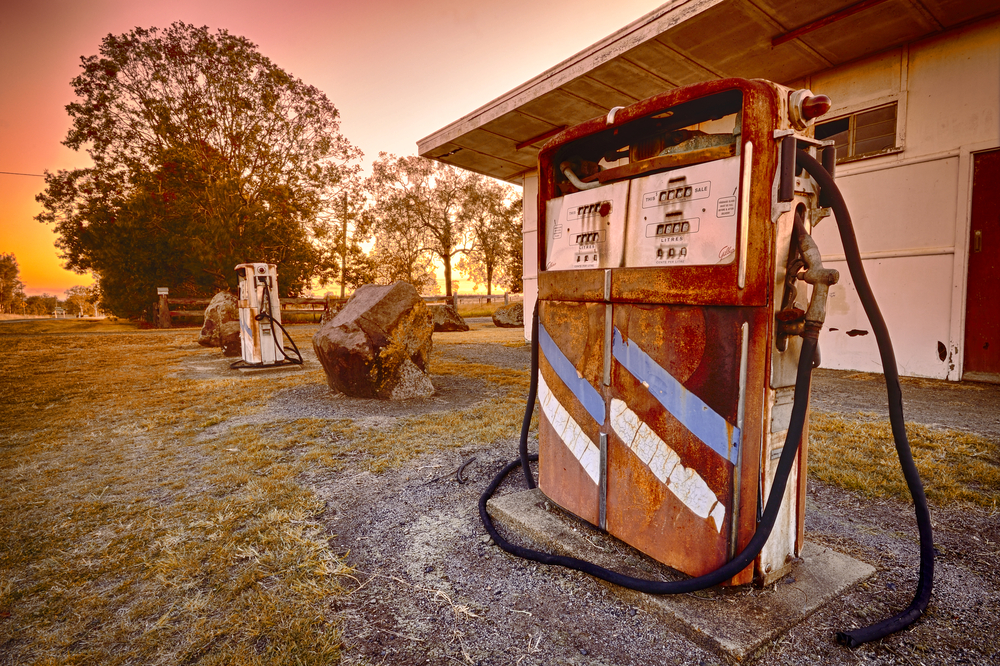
<point>672,350</point>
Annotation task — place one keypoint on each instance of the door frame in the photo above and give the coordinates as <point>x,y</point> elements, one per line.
<point>960,268</point>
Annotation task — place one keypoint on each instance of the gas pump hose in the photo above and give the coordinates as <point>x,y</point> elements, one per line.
<point>265,313</point>
<point>745,557</point>
<point>895,399</point>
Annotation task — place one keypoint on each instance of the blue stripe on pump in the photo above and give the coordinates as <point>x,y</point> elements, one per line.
<point>566,371</point>
<point>703,422</point>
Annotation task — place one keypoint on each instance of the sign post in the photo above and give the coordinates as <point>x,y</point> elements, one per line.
<point>162,308</point>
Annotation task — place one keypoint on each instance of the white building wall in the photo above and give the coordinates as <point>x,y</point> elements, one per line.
<point>911,208</point>
<point>530,245</point>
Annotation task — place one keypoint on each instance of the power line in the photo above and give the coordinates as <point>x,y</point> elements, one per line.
<point>14,173</point>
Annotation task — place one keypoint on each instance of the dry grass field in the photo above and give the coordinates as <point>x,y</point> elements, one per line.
<point>149,515</point>
<point>124,537</point>
<point>133,532</point>
<point>857,453</point>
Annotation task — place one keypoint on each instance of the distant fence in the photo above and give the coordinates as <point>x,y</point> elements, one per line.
<point>474,298</point>
<point>313,307</point>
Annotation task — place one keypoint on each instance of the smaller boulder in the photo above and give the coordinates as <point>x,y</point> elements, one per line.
<point>509,316</point>
<point>447,319</point>
<point>331,311</point>
<point>232,344</point>
<point>222,308</point>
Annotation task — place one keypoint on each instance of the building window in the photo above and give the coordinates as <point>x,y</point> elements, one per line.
<point>863,134</point>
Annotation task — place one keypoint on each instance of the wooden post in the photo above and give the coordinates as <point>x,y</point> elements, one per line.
<point>506,298</point>
<point>162,308</point>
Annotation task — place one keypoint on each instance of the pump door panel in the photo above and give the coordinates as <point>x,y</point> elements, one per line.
<point>571,353</point>
<point>673,432</point>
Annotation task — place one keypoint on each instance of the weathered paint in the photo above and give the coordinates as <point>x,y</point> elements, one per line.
<point>685,483</point>
<point>580,387</point>
<point>704,422</point>
<point>569,432</point>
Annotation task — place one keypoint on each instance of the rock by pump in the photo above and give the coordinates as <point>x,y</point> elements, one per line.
<point>680,300</point>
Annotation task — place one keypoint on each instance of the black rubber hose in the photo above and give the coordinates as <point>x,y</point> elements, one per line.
<point>741,561</point>
<point>295,347</point>
<point>265,313</point>
<point>926,576</point>
<point>529,479</point>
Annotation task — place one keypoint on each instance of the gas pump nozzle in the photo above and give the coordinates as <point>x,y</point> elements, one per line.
<point>820,278</point>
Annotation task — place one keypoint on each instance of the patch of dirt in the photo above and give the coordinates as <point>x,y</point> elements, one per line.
<point>431,587</point>
<point>966,406</point>
<point>516,358</point>
<point>319,401</point>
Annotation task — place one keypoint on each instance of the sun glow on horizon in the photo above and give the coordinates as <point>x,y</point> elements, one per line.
<point>386,65</point>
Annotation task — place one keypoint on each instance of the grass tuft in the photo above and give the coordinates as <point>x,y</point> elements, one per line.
<point>858,453</point>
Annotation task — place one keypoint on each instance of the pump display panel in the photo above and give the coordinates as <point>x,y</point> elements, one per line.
<point>585,228</point>
<point>684,217</point>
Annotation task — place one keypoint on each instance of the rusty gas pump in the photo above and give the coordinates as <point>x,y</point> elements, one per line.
<point>680,299</point>
<point>666,373</point>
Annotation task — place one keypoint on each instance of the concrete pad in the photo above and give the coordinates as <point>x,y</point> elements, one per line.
<point>253,370</point>
<point>736,623</point>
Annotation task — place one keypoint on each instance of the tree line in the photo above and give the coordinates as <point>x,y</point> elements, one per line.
<point>79,300</point>
<point>205,154</point>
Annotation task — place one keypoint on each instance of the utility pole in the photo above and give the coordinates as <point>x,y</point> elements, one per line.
<point>343,252</point>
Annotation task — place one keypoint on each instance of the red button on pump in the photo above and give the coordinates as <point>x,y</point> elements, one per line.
<point>815,106</point>
<point>804,107</point>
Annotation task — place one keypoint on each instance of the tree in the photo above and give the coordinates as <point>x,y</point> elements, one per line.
<point>40,305</point>
<point>205,154</point>
<point>400,253</point>
<point>351,227</point>
<point>11,288</point>
<point>495,226</point>
<point>426,196</point>
<point>512,261</point>
<point>81,300</point>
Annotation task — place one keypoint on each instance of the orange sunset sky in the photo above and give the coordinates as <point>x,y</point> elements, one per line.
<point>397,71</point>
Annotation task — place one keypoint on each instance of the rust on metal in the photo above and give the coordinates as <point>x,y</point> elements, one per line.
<point>572,434</point>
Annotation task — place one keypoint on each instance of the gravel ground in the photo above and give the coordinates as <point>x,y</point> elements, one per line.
<point>967,406</point>
<point>432,589</point>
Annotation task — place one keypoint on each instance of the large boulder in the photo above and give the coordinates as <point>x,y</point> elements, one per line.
<point>378,345</point>
<point>509,316</point>
<point>447,319</point>
<point>221,309</point>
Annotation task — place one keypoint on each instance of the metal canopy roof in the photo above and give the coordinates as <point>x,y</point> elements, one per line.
<point>684,42</point>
